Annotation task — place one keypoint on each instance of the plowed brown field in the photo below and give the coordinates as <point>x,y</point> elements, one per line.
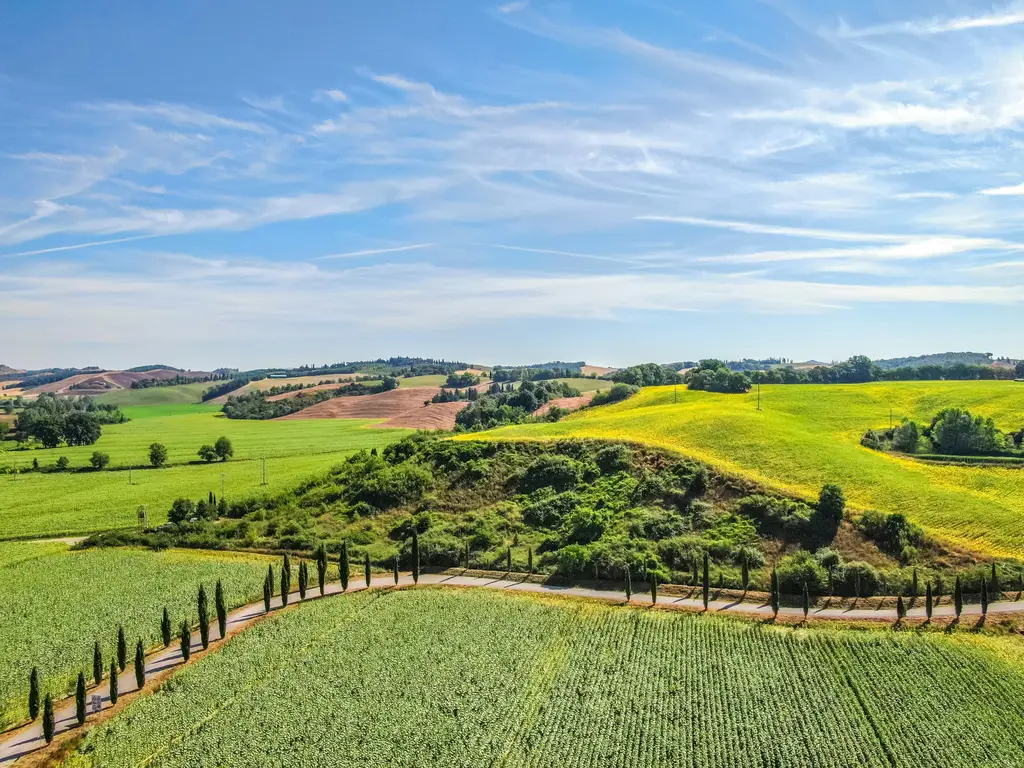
<point>400,407</point>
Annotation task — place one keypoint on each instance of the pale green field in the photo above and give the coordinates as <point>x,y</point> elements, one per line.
<point>183,428</point>
<point>422,381</point>
<point>588,385</point>
<point>56,603</point>
<point>808,435</point>
<point>181,394</point>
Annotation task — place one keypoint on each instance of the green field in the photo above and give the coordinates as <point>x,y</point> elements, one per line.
<point>423,381</point>
<point>808,435</point>
<point>588,385</point>
<point>436,677</point>
<point>56,603</point>
<point>181,394</point>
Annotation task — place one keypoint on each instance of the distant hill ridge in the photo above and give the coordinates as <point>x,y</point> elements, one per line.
<point>941,358</point>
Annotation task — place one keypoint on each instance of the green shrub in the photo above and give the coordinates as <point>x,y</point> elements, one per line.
<point>554,471</point>
<point>796,570</point>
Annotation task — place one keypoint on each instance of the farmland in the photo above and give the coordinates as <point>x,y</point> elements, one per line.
<point>57,602</point>
<point>181,394</point>
<point>808,435</point>
<point>402,679</point>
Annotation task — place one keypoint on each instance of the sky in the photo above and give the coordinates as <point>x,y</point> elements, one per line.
<point>257,183</point>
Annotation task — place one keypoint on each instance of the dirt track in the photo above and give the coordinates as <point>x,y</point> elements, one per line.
<point>401,407</point>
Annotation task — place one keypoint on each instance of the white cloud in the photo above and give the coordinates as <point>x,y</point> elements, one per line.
<point>331,94</point>
<point>1015,189</point>
<point>782,230</point>
<point>513,7</point>
<point>175,114</point>
<point>1008,16</point>
<point>376,251</point>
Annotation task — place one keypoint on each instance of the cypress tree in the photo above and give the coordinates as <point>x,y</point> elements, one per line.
<point>266,593</point>
<point>122,649</point>
<point>97,663</point>
<point>140,664</point>
<point>958,598</point>
<point>913,584</point>
<point>629,584</point>
<point>508,559</point>
<point>270,578</point>
<point>366,568</point>
<point>529,560</point>
<point>321,568</point>
<point>33,694</point>
<point>396,569</point>
<point>185,641</point>
<point>901,609</point>
<point>994,583</point>
<point>165,628</point>
<point>706,581</point>
<point>928,600</point>
<point>984,597</point>
<point>80,699</point>
<point>466,557</point>
<point>204,618</point>
<point>654,588</point>
<point>284,587</point>
<point>807,600</point>
<point>286,577</point>
<point>774,593</point>
<point>222,610</point>
<point>744,572</point>
<point>48,718</point>
<point>343,566</point>
<point>113,684</point>
<point>415,556</point>
<point>694,577</point>
<point>302,579</point>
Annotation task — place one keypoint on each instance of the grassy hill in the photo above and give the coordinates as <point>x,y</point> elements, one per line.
<point>179,395</point>
<point>461,678</point>
<point>808,435</point>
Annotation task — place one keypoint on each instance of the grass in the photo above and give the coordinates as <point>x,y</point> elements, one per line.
<point>183,428</point>
<point>423,381</point>
<point>808,435</point>
<point>181,394</point>
<point>588,385</point>
<point>401,678</point>
<point>59,602</point>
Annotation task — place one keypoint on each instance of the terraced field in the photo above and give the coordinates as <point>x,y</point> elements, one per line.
<point>56,603</point>
<point>808,435</point>
<point>432,677</point>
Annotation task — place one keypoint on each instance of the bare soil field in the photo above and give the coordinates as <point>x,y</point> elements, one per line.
<point>264,384</point>
<point>568,403</point>
<point>586,370</point>
<point>98,383</point>
<point>400,407</point>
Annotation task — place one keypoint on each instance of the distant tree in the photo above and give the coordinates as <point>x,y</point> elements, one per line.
<point>343,566</point>
<point>270,577</point>
<point>395,563</point>
<point>62,463</point>
<point>266,593</point>
<point>97,663</point>
<point>928,600</point>
<point>207,453</point>
<point>321,568</point>
<point>906,436</point>
<point>285,586</point>
<point>79,699</point>
<point>165,628</point>
<point>958,598</point>
<point>1019,369</point>
<point>774,593</point>
<point>508,559</point>
<point>705,583</point>
<point>157,455</point>
<point>81,428</point>
<point>185,641</point>
<point>629,584</point>
<point>829,514</point>
<point>901,608</point>
<point>366,568</point>
<point>140,664</point>
<point>654,587</point>
<point>415,556</point>
<point>223,448</point>
<point>984,598</point>
<point>745,572</point>
<point>99,460</point>
<point>913,583</point>
<point>303,579</point>
<point>807,600</point>
<point>222,610</point>
<point>222,507</point>
<point>48,718</point>
<point>204,618</point>
<point>33,694</point>
<point>112,679</point>
<point>122,649</point>
<point>955,431</point>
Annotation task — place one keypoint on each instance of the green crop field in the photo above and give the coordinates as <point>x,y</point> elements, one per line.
<point>181,394</point>
<point>588,385</point>
<point>808,435</point>
<point>56,603</point>
<point>436,677</point>
<point>423,381</point>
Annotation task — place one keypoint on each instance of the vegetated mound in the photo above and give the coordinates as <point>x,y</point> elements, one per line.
<point>522,680</point>
<point>98,383</point>
<point>402,407</point>
<point>940,358</point>
<point>565,403</point>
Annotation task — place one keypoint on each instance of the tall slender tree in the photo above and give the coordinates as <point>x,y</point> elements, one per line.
<point>165,628</point>
<point>204,618</point>
<point>270,578</point>
<point>222,611</point>
<point>366,568</point>
<point>958,598</point>
<point>185,641</point>
<point>97,663</point>
<point>994,583</point>
<point>33,694</point>
<point>465,558</point>
<point>80,699</point>
<point>629,583</point>
<point>745,572</point>
<point>395,568</point>
<point>321,568</point>
<point>901,608</point>
<point>415,556</point>
<point>113,683</point>
<point>285,587</point>
<point>706,581</point>
<point>807,601</point>
<point>343,567</point>
<point>774,593</point>
<point>654,587</point>
<point>48,718</point>
<point>122,649</point>
<point>266,593</point>
<point>529,561</point>
<point>928,600</point>
<point>140,664</point>
<point>984,597</point>
<point>913,583</point>
<point>303,578</point>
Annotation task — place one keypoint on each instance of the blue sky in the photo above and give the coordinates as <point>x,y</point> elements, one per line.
<point>263,183</point>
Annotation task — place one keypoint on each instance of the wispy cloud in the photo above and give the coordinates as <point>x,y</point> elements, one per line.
<point>1008,16</point>
<point>376,251</point>
<point>1012,190</point>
